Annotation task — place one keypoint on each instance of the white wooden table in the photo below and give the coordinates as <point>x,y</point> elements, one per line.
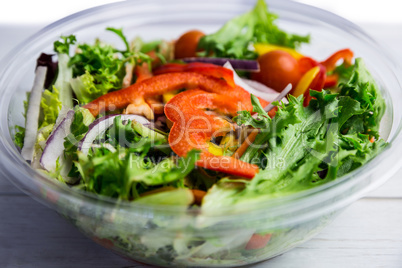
<point>367,234</point>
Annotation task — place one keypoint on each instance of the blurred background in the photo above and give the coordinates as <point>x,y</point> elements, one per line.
<point>362,11</point>
<point>46,11</point>
<point>20,18</point>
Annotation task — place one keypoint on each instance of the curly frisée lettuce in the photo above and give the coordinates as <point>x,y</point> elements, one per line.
<point>362,88</point>
<point>127,172</point>
<point>91,72</point>
<point>234,39</point>
<point>100,68</point>
<point>50,107</point>
<point>302,147</point>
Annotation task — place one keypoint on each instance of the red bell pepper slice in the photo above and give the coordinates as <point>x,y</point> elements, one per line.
<point>331,80</point>
<point>328,65</point>
<point>193,128</point>
<point>305,64</point>
<point>142,72</point>
<point>331,61</point>
<point>198,67</point>
<point>317,84</point>
<point>155,86</point>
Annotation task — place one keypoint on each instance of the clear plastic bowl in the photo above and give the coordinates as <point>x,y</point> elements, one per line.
<point>162,235</point>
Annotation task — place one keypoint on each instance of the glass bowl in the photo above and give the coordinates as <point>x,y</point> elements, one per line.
<point>177,236</point>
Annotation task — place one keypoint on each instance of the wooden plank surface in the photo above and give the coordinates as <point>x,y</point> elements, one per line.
<point>366,234</point>
<point>32,235</point>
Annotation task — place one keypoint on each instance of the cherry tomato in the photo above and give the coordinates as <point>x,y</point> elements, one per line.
<point>277,69</point>
<point>186,45</point>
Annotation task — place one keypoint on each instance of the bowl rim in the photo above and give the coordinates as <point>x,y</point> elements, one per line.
<point>350,180</point>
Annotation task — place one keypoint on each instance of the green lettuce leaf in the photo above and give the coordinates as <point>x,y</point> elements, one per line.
<point>233,40</point>
<point>177,197</point>
<point>19,136</point>
<point>131,134</point>
<point>162,48</point>
<point>63,46</point>
<point>100,68</point>
<point>123,134</point>
<point>85,89</point>
<point>363,88</point>
<point>344,73</point>
<point>128,162</point>
<point>119,33</point>
<point>50,107</point>
<point>57,173</point>
<point>245,118</point>
<point>79,127</point>
<point>125,174</point>
<point>302,147</point>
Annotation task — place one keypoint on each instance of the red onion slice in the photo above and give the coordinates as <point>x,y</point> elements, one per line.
<point>280,97</point>
<point>106,146</point>
<point>268,95</point>
<point>259,86</point>
<point>241,65</point>
<point>31,125</point>
<point>55,143</point>
<point>100,125</point>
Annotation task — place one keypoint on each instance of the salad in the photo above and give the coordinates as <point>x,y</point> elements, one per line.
<point>213,121</point>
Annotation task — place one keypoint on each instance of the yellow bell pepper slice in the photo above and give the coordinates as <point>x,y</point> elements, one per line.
<point>305,81</point>
<point>169,95</point>
<point>265,48</point>
<point>215,149</point>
